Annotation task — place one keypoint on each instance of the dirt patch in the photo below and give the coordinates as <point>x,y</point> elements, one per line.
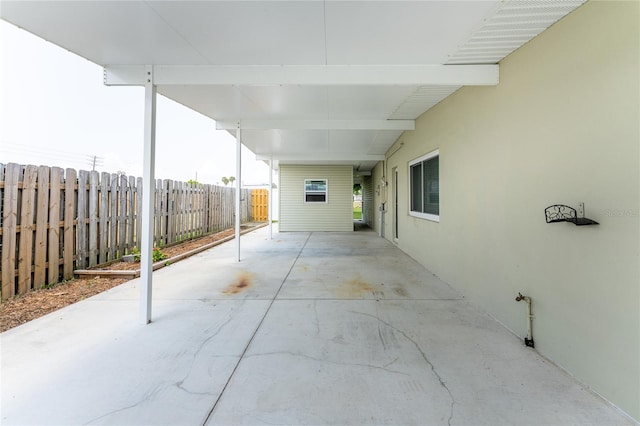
<point>22,309</point>
<point>242,283</point>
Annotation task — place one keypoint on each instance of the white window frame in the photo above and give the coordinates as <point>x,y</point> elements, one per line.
<point>427,216</point>
<point>326,191</point>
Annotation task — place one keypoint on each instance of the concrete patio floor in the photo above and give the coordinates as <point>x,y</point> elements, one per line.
<point>310,328</point>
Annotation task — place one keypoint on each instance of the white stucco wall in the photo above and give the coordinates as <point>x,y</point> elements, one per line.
<point>561,127</point>
<point>335,215</point>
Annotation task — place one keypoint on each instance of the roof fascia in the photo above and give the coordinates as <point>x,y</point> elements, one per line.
<point>316,125</point>
<point>310,75</point>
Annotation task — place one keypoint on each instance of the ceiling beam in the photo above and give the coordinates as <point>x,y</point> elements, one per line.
<point>318,157</point>
<point>310,75</point>
<point>317,125</point>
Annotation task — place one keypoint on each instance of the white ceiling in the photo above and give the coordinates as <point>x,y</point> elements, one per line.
<point>332,62</point>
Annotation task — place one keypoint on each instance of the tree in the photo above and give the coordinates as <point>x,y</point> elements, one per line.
<point>231,179</point>
<point>357,188</point>
<point>225,180</point>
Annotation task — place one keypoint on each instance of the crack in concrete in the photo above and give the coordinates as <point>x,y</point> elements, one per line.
<point>424,356</point>
<point>196,353</point>
<point>384,344</point>
<point>148,395</point>
<point>327,361</point>
<point>391,362</point>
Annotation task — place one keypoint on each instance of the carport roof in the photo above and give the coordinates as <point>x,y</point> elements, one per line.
<point>331,82</point>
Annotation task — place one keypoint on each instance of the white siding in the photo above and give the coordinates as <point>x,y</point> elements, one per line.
<point>335,215</point>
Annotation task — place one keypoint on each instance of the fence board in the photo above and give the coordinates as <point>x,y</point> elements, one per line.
<point>27,226</point>
<point>164,215</point>
<point>112,185</point>
<point>69,218</point>
<point>157,211</point>
<point>103,221</point>
<point>131,220</point>
<point>181,206</point>
<point>139,189</point>
<point>9,229</point>
<point>122,216</point>
<point>201,214</point>
<point>171,232</point>
<point>81,226</point>
<point>94,183</point>
<point>57,175</point>
<point>55,186</point>
<point>2,167</point>
<point>42,219</point>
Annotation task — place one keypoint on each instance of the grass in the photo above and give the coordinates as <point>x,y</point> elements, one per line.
<point>357,213</point>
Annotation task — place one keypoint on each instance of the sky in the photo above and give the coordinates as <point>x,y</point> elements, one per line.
<point>56,111</point>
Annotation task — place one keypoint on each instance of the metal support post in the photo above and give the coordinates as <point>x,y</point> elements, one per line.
<point>148,179</point>
<point>238,186</point>
<point>270,202</point>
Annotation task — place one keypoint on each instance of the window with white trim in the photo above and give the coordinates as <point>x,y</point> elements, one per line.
<point>315,190</point>
<point>424,182</point>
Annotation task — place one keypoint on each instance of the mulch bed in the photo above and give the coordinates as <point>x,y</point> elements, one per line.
<point>27,307</point>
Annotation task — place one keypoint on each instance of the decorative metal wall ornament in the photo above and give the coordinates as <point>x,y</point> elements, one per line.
<point>562,213</point>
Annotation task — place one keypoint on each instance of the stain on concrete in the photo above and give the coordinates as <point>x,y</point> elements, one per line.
<point>353,288</point>
<point>243,281</point>
<point>400,291</point>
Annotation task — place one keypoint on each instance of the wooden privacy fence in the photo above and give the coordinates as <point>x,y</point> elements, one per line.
<point>54,221</point>
<point>260,205</point>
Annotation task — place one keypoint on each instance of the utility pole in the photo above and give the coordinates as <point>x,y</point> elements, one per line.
<point>95,161</point>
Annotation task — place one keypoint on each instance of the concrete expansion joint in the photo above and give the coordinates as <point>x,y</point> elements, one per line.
<point>424,356</point>
<point>255,332</point>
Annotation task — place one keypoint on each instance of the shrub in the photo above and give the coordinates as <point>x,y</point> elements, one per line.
<point>157,255</point>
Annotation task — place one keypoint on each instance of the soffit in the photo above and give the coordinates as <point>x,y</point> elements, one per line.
<point>295,33</point>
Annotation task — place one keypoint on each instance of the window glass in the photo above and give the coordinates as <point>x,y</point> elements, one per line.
<point>315,190</point>
<point>416,187</point>
<point>424,191</point>
<point>431,186</point>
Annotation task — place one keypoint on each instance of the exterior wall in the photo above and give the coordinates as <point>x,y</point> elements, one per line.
<point>560,128</point>
<point>367,201</point>
<point>378,194</point>
<point>335,215</point>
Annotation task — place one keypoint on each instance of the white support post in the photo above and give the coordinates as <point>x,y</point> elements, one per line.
<point>148,180</point>
<point>238,186</point>
<point>270,199</point>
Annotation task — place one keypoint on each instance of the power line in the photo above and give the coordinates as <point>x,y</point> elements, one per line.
<point>55,155</point>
